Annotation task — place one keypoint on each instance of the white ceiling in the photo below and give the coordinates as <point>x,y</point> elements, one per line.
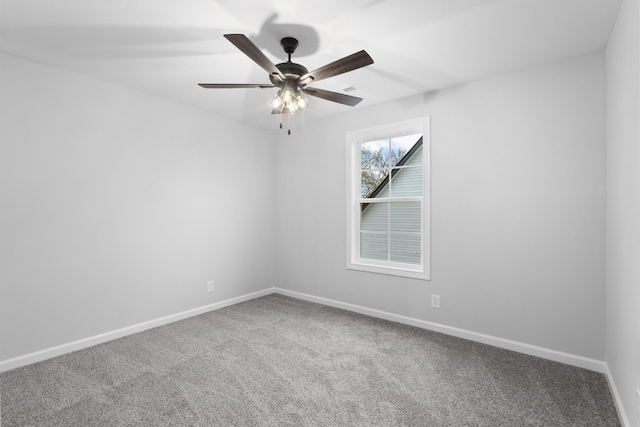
<point>166,47</point>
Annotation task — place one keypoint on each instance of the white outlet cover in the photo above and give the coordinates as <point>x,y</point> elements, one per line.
<point>435,301</point>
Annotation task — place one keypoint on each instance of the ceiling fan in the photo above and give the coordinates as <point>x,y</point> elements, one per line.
<point>293,79</point>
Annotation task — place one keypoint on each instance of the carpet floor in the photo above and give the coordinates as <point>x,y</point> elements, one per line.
<point>280,361</point>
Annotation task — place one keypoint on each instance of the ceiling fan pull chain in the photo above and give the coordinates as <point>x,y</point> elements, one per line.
<point>289,132</point>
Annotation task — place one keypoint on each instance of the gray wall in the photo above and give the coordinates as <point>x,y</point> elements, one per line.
<point>623,207</point>
<point>518,208</point>
<point>118,207</point>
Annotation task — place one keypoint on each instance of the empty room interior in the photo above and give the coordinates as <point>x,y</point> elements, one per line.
<point>190,233</point>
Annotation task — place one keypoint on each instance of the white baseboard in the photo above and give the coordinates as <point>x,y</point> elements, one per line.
<point>616,398</point>
<point>557,356</point>
<point>570,359</point>
<point>532,350</point>
<point>16,362</point>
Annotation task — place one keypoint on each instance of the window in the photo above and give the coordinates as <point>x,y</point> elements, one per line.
<point>388,199</point>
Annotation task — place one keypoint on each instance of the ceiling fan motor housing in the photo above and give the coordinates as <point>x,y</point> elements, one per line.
<point>291,70</point>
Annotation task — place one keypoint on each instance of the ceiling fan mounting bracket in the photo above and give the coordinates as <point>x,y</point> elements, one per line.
<point>289,44</point>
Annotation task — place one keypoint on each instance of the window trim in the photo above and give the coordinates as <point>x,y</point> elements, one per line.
<point>354,139</point>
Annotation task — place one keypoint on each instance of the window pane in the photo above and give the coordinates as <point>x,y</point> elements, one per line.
<point>388,225</point>
<point>405,248</point>
<point>374,154</point>
<point>374,246</point>
<point>406,216</point>
<point>400,146</point>
<point>374,216</point>
<point>406,182</point>
<point>372,183</point>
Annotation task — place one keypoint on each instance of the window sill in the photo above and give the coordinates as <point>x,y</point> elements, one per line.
<point>418,273</point>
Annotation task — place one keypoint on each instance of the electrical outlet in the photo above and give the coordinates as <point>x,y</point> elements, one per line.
<point>435,301</point>
<point>210,286</point>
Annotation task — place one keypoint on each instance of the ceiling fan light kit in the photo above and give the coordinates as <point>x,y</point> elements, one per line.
<point>289,101</point>
<point>292,79</point>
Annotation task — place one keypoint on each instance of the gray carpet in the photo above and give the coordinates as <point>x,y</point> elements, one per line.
<point>279,361</point>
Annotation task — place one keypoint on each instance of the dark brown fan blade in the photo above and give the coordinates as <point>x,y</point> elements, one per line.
<point>231,85</point>
<point>348,63</point>
<point>332,96</point>
<point>251,50</point>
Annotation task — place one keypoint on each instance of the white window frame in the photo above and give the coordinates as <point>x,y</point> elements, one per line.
<point>354,141</point>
